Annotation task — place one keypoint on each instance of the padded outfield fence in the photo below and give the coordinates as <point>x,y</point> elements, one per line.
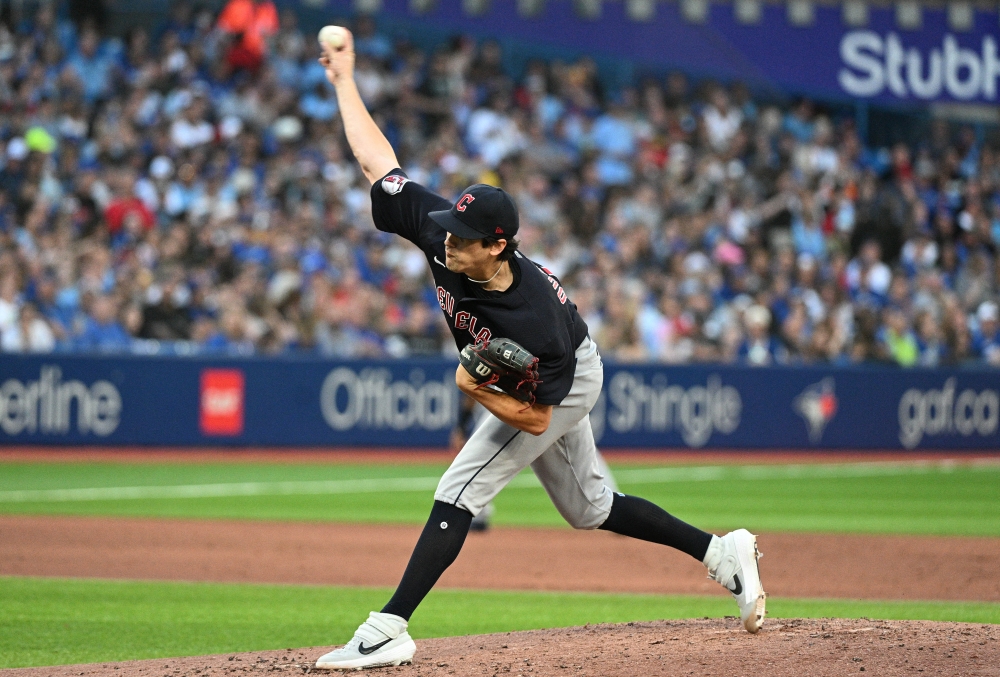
<point>173,401</point>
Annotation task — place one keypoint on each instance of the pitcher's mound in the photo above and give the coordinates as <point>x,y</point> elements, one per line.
<point>791,647</point>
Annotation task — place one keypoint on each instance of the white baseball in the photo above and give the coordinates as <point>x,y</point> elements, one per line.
<point>332,36</point>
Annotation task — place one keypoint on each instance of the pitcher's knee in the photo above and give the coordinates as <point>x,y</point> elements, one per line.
<point>587,522</point>
<point>588,513</point>
<point>588,518</point>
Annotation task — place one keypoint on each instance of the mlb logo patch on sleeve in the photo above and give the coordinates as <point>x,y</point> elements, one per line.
<point>392,184</point>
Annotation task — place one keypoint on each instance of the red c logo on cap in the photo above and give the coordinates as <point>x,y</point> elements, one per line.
<point>463,202</point>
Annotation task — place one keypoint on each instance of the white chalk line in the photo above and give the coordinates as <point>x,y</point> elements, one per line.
<point>525,481</point>
<point>294,488</point>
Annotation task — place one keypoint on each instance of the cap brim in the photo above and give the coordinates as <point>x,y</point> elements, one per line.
<point>447,220</point>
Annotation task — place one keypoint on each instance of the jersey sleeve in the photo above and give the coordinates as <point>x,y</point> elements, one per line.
<point>401,206</point>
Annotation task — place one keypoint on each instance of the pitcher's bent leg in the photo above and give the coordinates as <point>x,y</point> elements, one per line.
<point>570,472</point>
<point>494,455</point>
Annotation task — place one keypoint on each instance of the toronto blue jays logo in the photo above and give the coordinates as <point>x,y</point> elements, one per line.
<point>817,405</point>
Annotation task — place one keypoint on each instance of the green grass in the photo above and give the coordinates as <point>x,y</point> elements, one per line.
<point>46,621</point>
<point>931,499</point>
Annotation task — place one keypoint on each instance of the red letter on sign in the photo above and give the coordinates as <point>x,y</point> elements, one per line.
<point>463,202</point>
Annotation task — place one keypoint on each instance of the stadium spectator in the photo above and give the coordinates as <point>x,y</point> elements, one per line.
<point>251,23</point>
<point>986,340</point>
<point>102,331</point>
<point>896,340</point>
<point>90,68</point>
<point>760,348</point>
<point>10,302</point>
<point>125,211</point>
<point>30,334</point>
<point>721,120</point>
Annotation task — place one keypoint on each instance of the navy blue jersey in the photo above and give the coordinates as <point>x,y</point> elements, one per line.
<point>534,310</point>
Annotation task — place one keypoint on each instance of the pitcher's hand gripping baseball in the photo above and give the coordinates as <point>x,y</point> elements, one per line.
<point>338,53</point>
<point>503,364</point>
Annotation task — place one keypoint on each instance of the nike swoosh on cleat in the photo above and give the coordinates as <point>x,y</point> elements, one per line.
<point>365,650</point>
<point>739,586</point>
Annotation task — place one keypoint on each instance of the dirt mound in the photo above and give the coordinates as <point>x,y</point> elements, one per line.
<point>696,647</point>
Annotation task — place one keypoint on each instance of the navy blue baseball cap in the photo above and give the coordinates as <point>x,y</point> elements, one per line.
<point>481,211</point>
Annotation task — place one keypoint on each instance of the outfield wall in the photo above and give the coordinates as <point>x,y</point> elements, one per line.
<point>413,403</point>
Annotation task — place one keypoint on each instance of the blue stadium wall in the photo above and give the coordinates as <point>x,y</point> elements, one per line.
<point>71,400</point>
<point>878,63</point>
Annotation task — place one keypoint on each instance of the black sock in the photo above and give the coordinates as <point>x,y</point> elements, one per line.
<point>638,518</point>
<point>438,546</point>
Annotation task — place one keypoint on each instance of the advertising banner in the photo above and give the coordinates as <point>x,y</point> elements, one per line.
<point>798,408</point>
<point>178,401</point>
<point>822,57</point>
<point>57,400</point>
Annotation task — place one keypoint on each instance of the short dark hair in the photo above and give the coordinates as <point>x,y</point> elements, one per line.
<point>508,252</point>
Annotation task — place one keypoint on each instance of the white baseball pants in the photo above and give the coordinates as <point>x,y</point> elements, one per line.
<point>564,457</point>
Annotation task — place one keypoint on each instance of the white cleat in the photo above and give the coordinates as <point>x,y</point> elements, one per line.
<point>381,641</point>
<point>737,572</point>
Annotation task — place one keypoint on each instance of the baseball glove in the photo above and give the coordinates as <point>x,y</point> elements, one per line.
<point>503,364</point>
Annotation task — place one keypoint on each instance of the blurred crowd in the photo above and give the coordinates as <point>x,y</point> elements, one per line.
<point>190,189</point>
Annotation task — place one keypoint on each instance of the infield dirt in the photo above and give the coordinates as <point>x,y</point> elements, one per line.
<point>785,648</point>
<point>794,565</point>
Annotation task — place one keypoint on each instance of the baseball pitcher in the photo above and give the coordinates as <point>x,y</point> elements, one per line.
<point>526,356</point>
